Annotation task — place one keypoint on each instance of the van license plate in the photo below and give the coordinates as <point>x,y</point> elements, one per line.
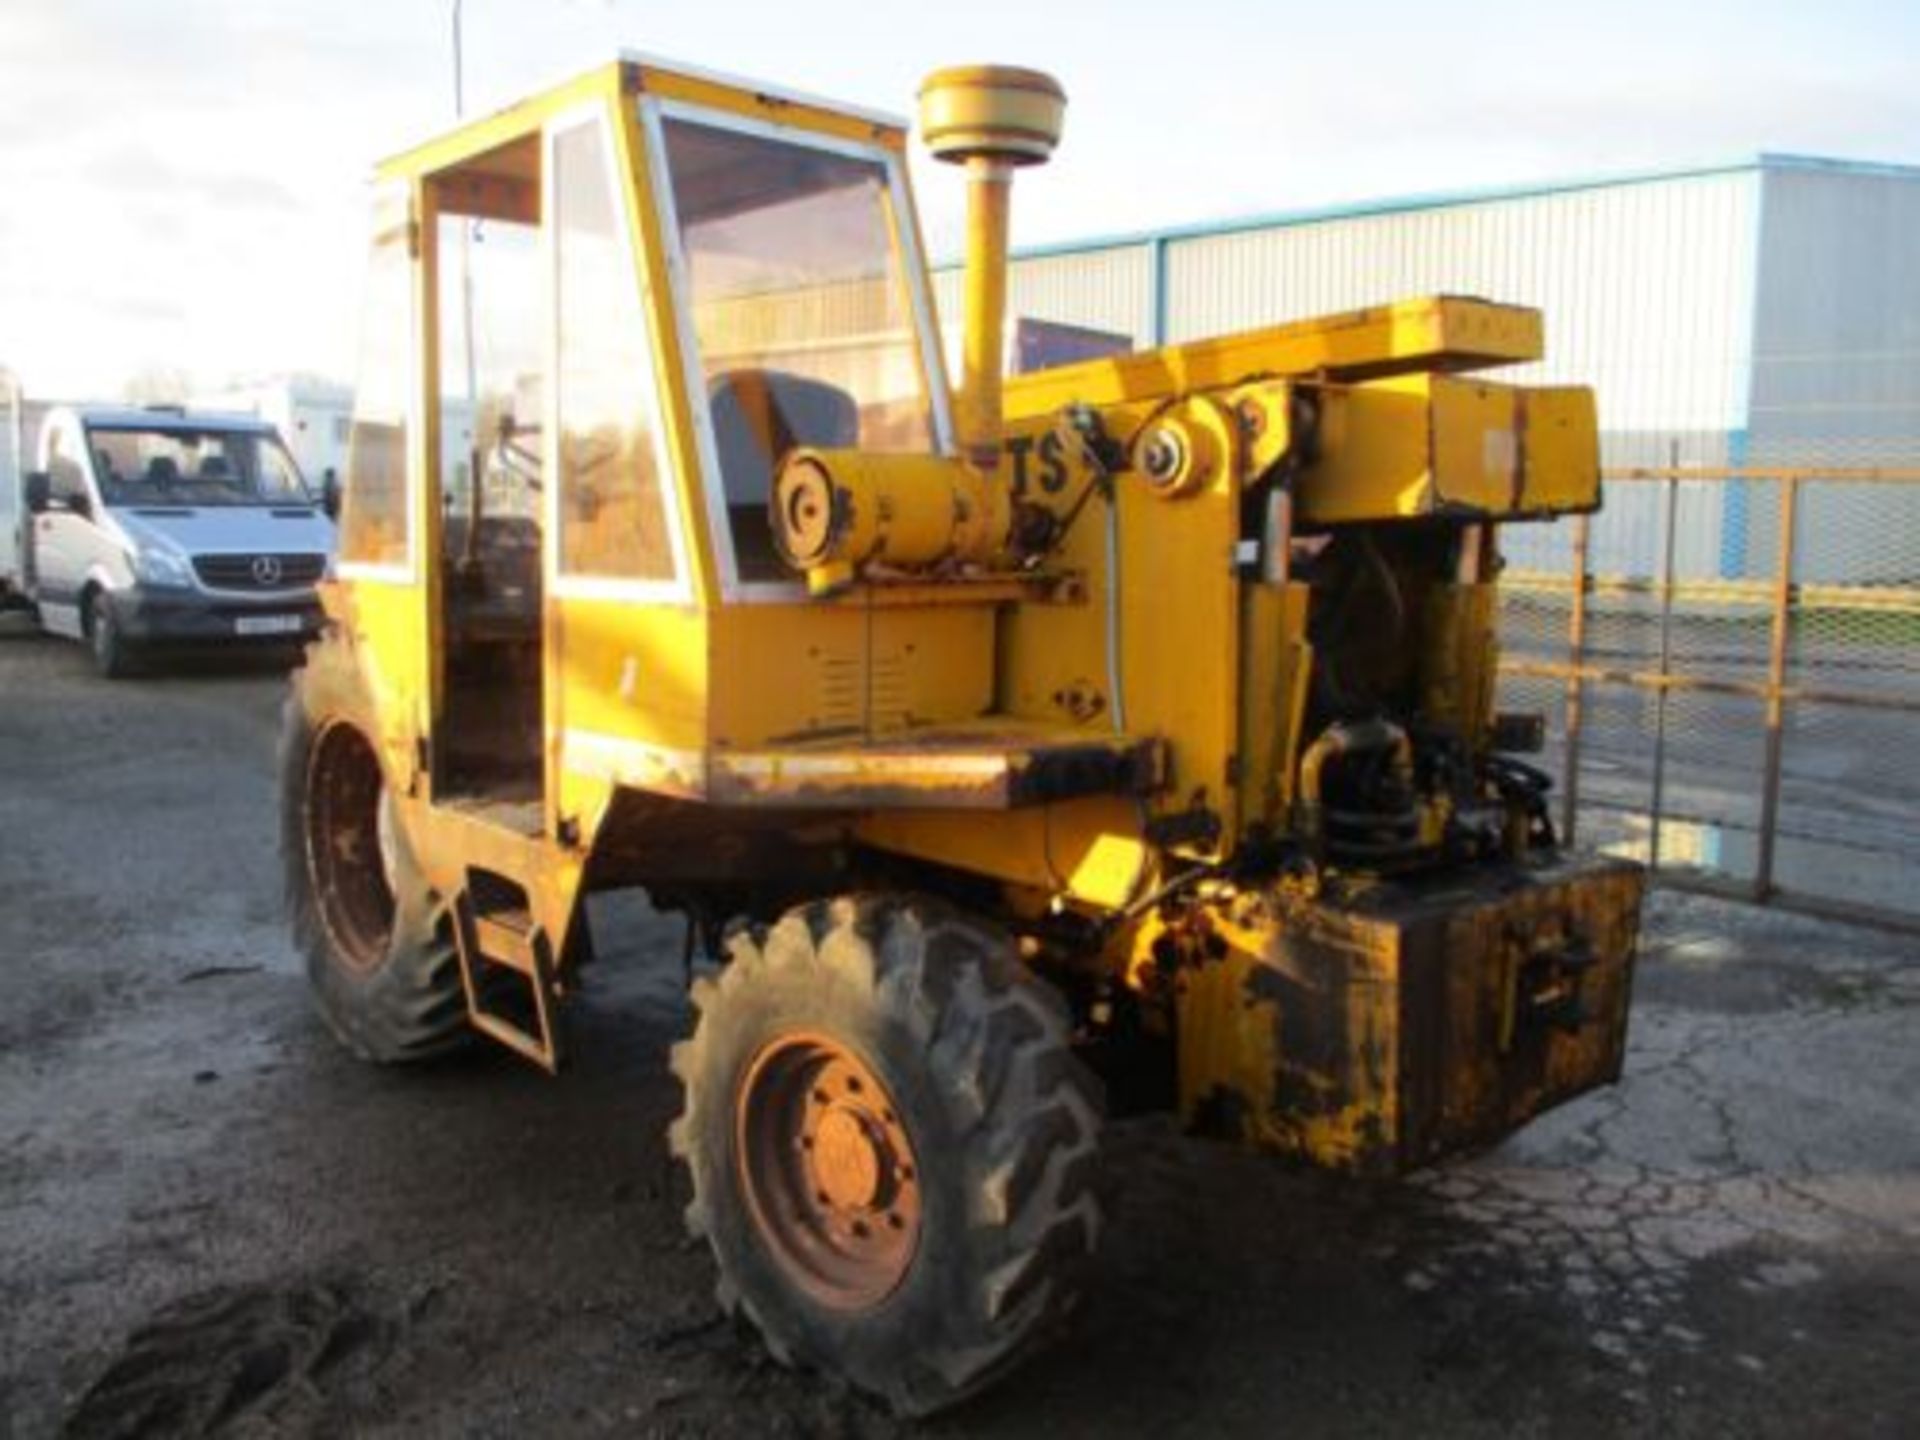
<point>267,625</point>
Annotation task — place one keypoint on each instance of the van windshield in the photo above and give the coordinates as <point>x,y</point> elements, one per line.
<point>185,465</point>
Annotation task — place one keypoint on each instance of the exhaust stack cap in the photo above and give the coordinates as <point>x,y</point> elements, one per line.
<point>997,113</point>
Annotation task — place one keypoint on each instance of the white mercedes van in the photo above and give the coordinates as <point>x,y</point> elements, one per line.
<point>158,527</point>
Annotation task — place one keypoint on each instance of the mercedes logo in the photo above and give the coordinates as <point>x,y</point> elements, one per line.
<point>266,569</point>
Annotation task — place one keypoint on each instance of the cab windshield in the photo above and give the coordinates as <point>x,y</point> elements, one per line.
<point>184,465</point>
<point>801,310</point>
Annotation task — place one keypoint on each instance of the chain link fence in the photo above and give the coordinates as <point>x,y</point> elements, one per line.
<point>1729,660</point>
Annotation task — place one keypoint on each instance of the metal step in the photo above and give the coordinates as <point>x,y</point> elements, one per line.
<point>507,941</point>
<point>510,940</point>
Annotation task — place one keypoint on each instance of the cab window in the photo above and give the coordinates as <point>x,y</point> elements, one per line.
<point>614,522</point>
<point>801,310</point>
<point>374,515</point>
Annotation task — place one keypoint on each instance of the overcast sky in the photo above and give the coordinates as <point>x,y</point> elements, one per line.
<point>182,181</point>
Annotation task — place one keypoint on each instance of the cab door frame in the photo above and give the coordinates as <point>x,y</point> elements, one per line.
<point>392,608</point>
<point>582,601</point>
<point>655,112</point>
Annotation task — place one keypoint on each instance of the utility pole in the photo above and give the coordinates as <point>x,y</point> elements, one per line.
<point>459,97</point>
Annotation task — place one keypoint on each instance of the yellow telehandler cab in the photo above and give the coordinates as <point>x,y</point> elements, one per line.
<point>1123,730</point>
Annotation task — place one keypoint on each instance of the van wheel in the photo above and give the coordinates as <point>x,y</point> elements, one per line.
<point>377,939</point>
<point>112,654</point>
<point>891,1147</point>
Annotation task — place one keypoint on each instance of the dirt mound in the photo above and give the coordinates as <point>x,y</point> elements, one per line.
<point>210,1361</point>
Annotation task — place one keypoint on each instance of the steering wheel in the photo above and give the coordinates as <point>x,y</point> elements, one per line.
<point>517,460</point>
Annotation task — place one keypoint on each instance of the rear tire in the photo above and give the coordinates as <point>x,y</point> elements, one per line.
<point>377,939</point>
<point>893,1061</point>
<point>113,655</point>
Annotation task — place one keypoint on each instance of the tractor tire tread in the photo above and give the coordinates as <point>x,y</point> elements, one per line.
<point>1028,1113</point>
<point>412,1007</point>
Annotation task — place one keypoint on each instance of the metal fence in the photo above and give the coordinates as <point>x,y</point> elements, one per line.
<point>1736,706</point>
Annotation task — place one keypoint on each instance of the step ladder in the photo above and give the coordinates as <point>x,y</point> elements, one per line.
<point>494,936</point>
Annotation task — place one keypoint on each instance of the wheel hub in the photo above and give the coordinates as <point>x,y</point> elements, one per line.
<point>847,1159</point>
<point>828,1169</point>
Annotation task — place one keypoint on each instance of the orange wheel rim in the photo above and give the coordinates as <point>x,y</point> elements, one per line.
<point>829,1170</point>
<point>347,855</point>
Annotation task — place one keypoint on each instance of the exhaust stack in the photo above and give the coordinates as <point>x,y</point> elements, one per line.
<point>991,119</point>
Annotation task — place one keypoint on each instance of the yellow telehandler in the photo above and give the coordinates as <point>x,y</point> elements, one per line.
<point>1121,732</point>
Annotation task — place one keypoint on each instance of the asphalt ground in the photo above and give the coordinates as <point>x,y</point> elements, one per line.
<point>211,1219</point>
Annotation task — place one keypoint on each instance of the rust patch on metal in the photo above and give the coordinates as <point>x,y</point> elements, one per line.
<point>1378,1031</point>
<point>938,769</point>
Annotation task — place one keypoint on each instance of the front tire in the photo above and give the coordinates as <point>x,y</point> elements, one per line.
<point>891,1147</point>
<point>378,940</point>
<point>112,653</point>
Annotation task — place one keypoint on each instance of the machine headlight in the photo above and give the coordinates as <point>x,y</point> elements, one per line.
<point>162,568</point>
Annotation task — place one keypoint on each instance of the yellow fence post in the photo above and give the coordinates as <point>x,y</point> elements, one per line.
<point>1783,592</point>
<point>1576,679</point>
<point>1658,799</point>
<point>1790,597</point>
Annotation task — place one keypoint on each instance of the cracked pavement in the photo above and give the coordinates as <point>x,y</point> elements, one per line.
<point>211,1221</point>
<point>1765,1123</point>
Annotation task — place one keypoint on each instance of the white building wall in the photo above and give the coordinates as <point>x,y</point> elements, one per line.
<point>1647,289</point>
<point>1836,368</point>
<point>1108,288</point>
<point>313,417</point>
<point>1767,313</point>
<point>1836,347</point>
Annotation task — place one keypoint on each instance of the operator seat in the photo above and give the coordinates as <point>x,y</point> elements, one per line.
<point>758,416</point>
<point>113,485</point>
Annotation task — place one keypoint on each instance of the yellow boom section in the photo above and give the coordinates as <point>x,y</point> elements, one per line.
<point>1445,332</point>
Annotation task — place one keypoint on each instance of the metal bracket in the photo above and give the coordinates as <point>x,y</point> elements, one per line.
<point>505,943</point>
<point>1541,987</point>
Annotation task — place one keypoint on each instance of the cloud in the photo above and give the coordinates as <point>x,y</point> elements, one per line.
<point>188,176</point>
<point>190,179</point>
<point>134,170</point>
<point>143,309</point>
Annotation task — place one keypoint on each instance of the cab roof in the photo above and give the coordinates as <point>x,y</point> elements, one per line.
<point>882,119</point>
<point>634,73</point>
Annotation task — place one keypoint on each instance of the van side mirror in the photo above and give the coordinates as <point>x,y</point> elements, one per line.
<point>39,492</point>
<point>330,495</point>
<point>79,503</point>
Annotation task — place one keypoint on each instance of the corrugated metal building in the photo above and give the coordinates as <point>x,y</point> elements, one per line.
<point>1758,312</point>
